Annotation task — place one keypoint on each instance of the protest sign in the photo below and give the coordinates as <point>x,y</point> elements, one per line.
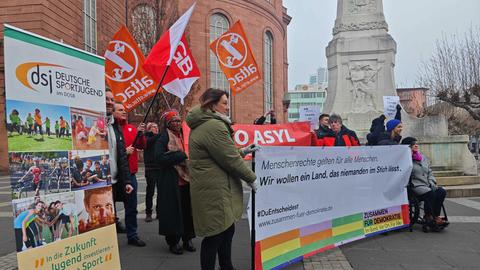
<point>312,199</point>
<point>55,98</point>
<point>310,114</point>
<point>236,59</point>
<point>390,105</point>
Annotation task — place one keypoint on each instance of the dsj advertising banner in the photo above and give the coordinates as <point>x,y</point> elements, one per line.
<point>310,199</point>
<point>58,155</point>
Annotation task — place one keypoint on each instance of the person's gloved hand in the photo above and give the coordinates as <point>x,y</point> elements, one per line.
<point>399,107</point>
<point>250,149</point>
<point>253,185</point>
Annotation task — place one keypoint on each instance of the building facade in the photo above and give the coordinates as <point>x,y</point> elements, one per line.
<point>413,100</point>
<point>305,95</point>
<point>90,24</point>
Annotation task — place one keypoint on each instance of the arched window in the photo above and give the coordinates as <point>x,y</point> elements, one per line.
<point>144,24</point>
<point>268,71</point>
<point>218,25</point>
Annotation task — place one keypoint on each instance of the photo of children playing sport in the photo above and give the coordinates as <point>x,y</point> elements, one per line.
<point>95,208</point>
<point>89,130</point>
<point>89,169</point>
<point>37,127</point>
<point>38,173</point>
<point>44,219</point>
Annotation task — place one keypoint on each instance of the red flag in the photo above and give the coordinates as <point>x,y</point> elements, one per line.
<point>172,45</point>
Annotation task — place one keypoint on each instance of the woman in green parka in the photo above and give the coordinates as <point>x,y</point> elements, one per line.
<point>216,167</point>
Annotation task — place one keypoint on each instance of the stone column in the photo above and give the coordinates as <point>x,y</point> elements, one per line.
<point>361,61</point>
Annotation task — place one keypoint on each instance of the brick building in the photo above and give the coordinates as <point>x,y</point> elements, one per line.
<point>413,100</point>
<point>89,25</point>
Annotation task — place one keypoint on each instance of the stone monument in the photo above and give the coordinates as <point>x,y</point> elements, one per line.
<point>361,62</point>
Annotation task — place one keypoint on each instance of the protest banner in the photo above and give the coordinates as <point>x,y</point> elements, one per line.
<point>124,73</point>
<point>390,105</point>
<point>311,199</point>
<point>55,97</point>
<point>310,114</point>
<point>289,134</point>
<point>236,59</point>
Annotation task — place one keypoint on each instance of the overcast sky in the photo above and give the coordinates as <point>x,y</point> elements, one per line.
<point>414,24</point>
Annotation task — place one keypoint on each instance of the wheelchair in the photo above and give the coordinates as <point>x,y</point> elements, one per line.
<point>416,213</point>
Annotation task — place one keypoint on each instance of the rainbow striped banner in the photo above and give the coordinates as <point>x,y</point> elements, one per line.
<point>280,250</point>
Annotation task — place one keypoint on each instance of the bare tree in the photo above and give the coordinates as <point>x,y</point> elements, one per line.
<point>453,72</point>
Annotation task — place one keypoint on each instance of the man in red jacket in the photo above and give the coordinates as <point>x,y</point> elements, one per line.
<point>130,202</point>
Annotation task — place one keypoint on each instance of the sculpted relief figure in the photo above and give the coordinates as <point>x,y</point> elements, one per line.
<point>363,78</point>
<point>362,6</point>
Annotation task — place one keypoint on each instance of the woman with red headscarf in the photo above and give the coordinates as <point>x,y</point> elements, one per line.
<point>173,200</point>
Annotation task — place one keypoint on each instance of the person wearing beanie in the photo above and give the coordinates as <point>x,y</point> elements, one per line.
<point>391,136</point>
<point>424,186</point>
<point>174,208</point>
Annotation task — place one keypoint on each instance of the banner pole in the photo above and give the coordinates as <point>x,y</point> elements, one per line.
<point>151,103</point>
<point>252,235</point>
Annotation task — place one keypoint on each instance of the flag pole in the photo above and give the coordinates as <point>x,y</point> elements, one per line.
<point>156,94</point>
<point>252,234</point>
<point>151,103</point>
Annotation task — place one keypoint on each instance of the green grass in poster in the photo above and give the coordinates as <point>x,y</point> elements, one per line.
<point>20,143</point>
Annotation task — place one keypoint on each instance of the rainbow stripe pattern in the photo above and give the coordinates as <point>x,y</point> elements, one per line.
<point>280,250</point>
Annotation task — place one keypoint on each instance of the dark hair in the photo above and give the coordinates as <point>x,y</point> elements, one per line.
<point>97,162</point>
<point>335,118</point>
<point>323,115</point>
<point>210,97</point>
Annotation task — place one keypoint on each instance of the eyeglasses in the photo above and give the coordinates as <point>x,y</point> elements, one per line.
<point>176,121</point>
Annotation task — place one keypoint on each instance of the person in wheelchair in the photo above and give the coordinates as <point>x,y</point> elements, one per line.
<point>424,186</point>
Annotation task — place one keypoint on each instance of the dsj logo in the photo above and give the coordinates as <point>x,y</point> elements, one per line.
<point>29,74</point>
<point>56,79</point>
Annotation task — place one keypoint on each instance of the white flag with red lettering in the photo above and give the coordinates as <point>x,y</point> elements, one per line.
<point>172,45</point>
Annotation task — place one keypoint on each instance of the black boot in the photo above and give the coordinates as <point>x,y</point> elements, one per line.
<point>188,246</point>
<point>176,249</point>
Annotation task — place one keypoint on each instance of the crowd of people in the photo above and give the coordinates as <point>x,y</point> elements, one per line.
<point>205,198</point>
<point>33,125</point>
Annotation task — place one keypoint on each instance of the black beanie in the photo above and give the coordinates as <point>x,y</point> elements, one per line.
<point>409,140</point>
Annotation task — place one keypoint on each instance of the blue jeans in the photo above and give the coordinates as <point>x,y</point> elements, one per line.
<point>131,212</point>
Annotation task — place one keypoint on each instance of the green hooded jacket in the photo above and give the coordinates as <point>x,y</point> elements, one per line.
<point>216,167</point>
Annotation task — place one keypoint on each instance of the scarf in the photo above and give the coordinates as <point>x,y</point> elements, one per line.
<point>175,143</point>
<point>417,156</point>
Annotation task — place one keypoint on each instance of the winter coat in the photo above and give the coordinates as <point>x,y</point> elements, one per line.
<point>378,135</point>
<point>320,133</point>
<point>422,179</point>
<point>129,133</point>
<point>121,160</point>
<point>216,167</point>
<point>169,209</point>
<point>149,153</point>
<point>345,137</point>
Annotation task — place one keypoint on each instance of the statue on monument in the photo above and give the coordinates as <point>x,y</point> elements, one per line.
<point>364,83</point>
<point>361,6</point>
